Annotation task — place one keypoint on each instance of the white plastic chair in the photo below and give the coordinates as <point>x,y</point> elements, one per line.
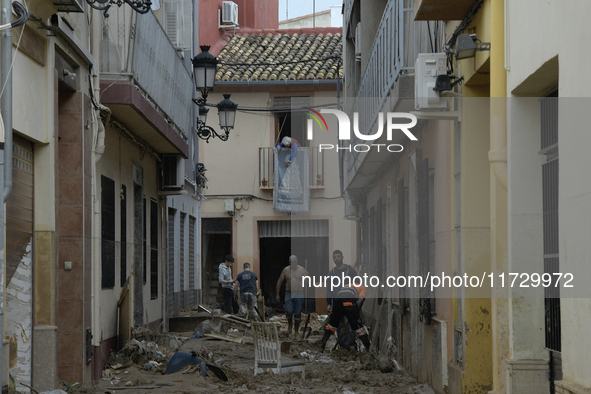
<point>267,351</point>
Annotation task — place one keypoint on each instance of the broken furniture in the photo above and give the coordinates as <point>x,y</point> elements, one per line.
<point>267,351</point>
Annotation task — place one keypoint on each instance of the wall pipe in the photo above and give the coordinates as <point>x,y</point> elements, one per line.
<point>5,149</point>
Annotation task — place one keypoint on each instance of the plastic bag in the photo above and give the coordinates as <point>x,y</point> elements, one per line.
<point>205,327</point>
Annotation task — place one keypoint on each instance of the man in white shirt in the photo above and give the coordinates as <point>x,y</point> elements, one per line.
<point>225,278</point>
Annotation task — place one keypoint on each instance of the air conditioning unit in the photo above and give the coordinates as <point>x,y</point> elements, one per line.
<point>427,67</point>
<point>229,13</point>
<point>350,207</point>
<point>177,18</point>
<point>173,174</point>
<point>358,42</point>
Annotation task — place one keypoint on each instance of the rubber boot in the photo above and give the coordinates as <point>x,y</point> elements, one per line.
<point>325,337</point>
<point>365,340</point>
<point>289,324</point>
<point>296,327</point>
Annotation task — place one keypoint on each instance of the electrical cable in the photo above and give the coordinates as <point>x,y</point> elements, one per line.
<point>92,97</point>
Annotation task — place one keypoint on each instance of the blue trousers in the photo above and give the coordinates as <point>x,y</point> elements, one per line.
<point>294,302</point>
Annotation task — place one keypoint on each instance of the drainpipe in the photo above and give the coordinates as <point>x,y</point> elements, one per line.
<point>98,148</point>
<point>5,149</point>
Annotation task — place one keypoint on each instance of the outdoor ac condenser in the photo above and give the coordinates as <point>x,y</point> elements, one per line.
<point>427,67</point>
<point>229,13</point>
<point>173,175</point>
<point>358,42</point>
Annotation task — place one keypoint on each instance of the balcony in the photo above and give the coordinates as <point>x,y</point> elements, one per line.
<point>144,80</point>
<point>316,167</point>
<point>443,10</point>
<point>387,83</point>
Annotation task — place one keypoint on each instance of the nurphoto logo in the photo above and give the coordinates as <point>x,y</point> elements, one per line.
<point>345,129</point>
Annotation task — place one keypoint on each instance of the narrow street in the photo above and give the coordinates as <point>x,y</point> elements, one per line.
<point>341,371</point>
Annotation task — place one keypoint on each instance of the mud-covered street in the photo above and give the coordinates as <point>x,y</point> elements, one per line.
<point>339,371</point>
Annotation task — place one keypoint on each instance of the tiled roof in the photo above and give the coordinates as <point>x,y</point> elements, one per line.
<point>248,50</point>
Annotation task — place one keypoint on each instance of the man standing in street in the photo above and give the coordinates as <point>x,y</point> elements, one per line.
<point>248,282</point>
<point>340,270</point>
<point>294,292</point>
<point>225,278</point>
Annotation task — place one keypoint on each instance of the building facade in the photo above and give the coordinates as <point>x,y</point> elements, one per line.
<point>98,128</point>
<point>239,215</point>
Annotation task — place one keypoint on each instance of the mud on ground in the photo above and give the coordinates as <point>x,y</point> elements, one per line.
<point>341,371</point>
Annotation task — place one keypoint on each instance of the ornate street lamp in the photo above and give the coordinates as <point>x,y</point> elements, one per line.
<point>141,6</point>
<point>204,69</point>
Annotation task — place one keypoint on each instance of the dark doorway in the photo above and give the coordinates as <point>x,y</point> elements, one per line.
<point>312,253</point>
<point>274,254</point>
<point>216,244</point>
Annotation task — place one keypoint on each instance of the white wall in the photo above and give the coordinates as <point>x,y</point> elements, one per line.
<point>538,33</point>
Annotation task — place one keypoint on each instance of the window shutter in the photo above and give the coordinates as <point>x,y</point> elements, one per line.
<point>178,17</point>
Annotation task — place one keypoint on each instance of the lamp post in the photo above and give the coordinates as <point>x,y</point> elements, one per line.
<point>204,69</point>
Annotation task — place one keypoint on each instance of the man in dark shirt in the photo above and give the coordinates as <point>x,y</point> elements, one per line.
<point>247,280</point>
<point>340,270</point>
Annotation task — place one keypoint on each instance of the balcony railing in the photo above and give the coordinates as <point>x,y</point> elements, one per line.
<point>135,47</point>
<point>398,41</point>
<point>266,167</point>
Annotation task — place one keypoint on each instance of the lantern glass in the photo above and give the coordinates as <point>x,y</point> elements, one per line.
<point>227,117</point>
<point>209,76</point>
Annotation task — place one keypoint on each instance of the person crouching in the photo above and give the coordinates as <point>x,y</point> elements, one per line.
<point>347,303</point>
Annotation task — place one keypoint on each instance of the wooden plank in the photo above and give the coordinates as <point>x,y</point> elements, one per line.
<point>15,212</point>
<point>22,177</point>
<point>20,201</point>
<point>21,190</point>
<point>20,225</point>
<point>224,337</point>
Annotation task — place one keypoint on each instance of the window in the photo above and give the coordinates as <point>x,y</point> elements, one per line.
<point>145,242</point>
<point>291,123</point>
<point>123,224</point>
<point>401,195</point>
<point>153,249</point>
<point>107,232</point>
<point>426,238</point>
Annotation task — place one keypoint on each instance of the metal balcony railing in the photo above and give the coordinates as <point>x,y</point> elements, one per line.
<point>135,47</point>
<point>398,41</point>
<point>266,167</point>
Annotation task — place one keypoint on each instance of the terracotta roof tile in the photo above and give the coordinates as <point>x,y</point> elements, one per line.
<point>240,59</point>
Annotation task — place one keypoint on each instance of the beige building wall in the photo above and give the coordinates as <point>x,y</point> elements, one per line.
<point>233,172</point>
<point>117,163</point>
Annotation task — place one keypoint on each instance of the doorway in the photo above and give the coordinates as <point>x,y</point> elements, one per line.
<point>309,241</point>
<point>216,242</point>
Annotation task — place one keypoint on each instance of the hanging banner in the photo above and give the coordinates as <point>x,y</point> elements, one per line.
<point>292,184</point>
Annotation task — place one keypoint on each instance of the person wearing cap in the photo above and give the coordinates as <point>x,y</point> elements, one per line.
<point>248,283</point>
<point>288,142</point>
<point>225,278</point>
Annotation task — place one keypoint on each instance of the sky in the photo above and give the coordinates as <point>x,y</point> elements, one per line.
<point>303,7</point>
